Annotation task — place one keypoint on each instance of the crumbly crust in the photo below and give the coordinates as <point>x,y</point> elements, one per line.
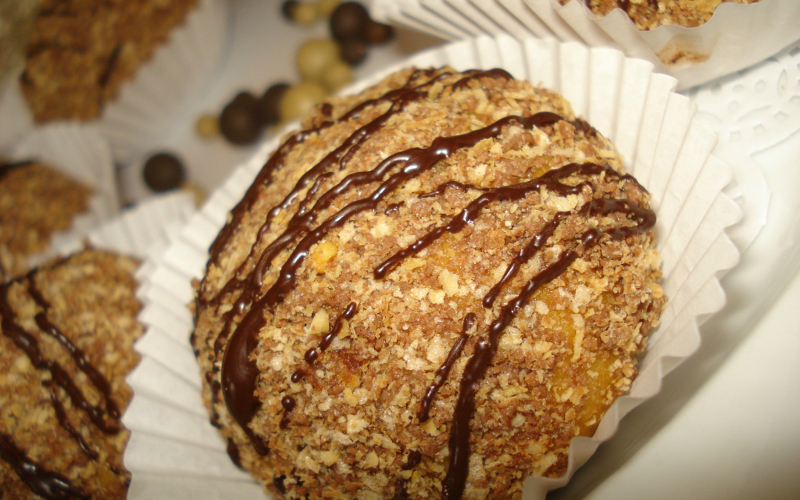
<point>81,52</point>
<point>650,14</point>
<point>35,202</point>
<point>89,298</point>
<point>348,425</point>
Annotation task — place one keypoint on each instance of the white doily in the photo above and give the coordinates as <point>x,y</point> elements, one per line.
<point>759,106</point>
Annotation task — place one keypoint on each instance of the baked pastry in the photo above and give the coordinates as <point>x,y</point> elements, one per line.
<point>81,53</point>
<point>35,202</point>
<point>650,14</point>
<point>427,292</point>
<point>66,345</point>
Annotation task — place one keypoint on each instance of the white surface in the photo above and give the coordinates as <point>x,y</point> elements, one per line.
<point>725,423</point>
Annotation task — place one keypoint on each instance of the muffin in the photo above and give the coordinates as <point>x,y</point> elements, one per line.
<point>428,291</point>
<point>66,345</point>
<point>80,53</point>
<point>650,14</point>
<point>36,201</point>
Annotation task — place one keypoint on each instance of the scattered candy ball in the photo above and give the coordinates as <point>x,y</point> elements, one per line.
<point>315,56</point>
<point>376,33</point>
<point>348,21</point>
<point>239,121</point>
<point>353,51</point>
<point>304,13</point>
<point>300,99</point>
<point>326,7</point>
<point>287,9</point>
<point>337,76</point>
<point>163,171</point>
<point>208,126</point>
<point>269,104</point>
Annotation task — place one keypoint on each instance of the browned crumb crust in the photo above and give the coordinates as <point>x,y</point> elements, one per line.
<point>89,299</point>
<point>650,14</point>
<point>81,52</point>
<point>348,424</point>
<point>35,202</point>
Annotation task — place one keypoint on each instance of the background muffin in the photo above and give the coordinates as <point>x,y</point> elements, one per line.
<point>66,346</point>
<point>353,289</point>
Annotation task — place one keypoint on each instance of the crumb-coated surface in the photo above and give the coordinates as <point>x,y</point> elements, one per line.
<point>35,202</point>
<point>81,52</point>
<point>650,14</point>
<point>66,345</point>
<point>369,354</point>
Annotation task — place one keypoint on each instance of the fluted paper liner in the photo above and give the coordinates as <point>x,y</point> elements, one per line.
<point>175,453</point>
<point>736,36</point>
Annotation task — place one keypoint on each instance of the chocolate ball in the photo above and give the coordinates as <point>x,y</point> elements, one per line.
<point>163,171</point>
<point>287,9</point>
<point>353,51</point>
<point>240,122</point>
<point>348,21</point>
<point>269,104</point>
<point>376,33</point>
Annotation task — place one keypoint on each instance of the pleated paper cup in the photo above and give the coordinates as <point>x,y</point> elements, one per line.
<point>82,153</point>
<point>736,36</point>
<point>175,453</point>
<point>164,88</point>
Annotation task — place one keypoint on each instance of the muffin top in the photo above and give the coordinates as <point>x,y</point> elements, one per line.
<point>650,14</point>
<point>67,343</point>
<point>36,201</point>
<point>81,52</point>
<point>427,292</point>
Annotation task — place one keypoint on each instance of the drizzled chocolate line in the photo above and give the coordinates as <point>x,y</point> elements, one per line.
<point>45,483</point>
<point>111,63</point>
<point>414,458</point>
<point>444,370</point>
<point>30,346</point>
<point>311,354</point>
<point>455,481</point>
<point>93,374</point>
<point>61,415</point>
<point>239,373</point>
<point>253,280</point>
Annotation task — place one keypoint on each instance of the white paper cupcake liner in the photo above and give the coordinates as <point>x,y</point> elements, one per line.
<point>165,87</point>
<point>737,36</point>
<point>662,144</point>
<point>82,153</point>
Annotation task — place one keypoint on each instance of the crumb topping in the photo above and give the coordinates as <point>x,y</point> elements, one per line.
<point>427,292</point>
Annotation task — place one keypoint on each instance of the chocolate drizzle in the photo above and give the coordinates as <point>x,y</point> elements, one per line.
<point>45,483</point>
<point>239,373</point>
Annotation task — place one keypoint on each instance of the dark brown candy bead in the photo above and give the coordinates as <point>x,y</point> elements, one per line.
<point>269,104</point>
<point>348,21</point>
<point>376,33</point>
<point>240,122</point>
<point>163,171</point>
<point>353,51</point>
<point>287,9</point>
